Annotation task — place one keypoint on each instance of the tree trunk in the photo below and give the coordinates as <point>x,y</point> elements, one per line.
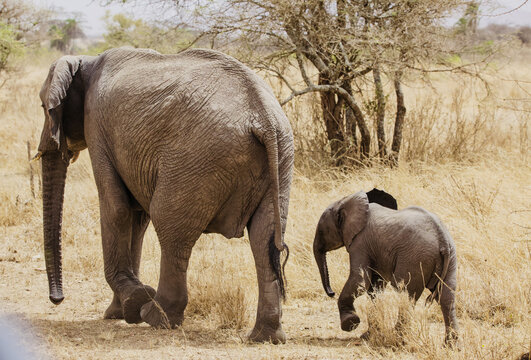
<point>399,121</point>
<point>333,119</point>
<point>350,123</point>
<point>380,113</point>
<point>365,142</point>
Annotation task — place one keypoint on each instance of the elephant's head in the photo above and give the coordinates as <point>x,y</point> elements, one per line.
<point>62,96</point>
<point>339,224</point>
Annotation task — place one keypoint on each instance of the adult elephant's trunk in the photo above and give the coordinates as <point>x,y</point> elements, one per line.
<point>320,258</point>
<point>53,182</point>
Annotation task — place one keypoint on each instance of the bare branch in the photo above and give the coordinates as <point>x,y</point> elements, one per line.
<point>302,69</point>
<point>278,74</point>
<point>509,11</point>
<point>324,88</point>
<point>362,72</point>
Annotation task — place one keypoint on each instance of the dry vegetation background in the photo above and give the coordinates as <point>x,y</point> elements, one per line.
<point>465,157</point>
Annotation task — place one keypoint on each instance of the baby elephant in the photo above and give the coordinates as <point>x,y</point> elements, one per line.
<point>388,245</point>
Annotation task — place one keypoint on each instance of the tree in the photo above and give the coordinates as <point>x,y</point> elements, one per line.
<point>22,16</point>
<point>9,44</point>
<point>468,24</point>
<point>19,20</point>
<point>122,29</point>
<point>524,34</point>
<point>335,45</point>
<point>62,34</point>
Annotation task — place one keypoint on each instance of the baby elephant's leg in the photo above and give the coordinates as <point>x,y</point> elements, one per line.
<point>357,282</point>
<point>447,301</point>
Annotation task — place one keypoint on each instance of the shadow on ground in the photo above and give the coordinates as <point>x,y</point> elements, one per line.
<point>118,334</point>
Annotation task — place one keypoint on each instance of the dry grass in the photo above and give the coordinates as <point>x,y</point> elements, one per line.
<point>467,162</point>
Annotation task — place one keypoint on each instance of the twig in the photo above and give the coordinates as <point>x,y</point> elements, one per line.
<point>32,186</point>
<point>509,11</point>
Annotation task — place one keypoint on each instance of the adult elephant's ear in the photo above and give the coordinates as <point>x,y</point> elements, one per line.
<point>352,216</point>
<point>382,198</point>
<point>52,94</point>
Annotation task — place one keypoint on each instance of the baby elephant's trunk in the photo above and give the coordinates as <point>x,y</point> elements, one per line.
<point>320,258</point>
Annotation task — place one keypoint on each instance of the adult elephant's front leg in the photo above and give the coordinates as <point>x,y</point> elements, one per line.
<point>140,223</point>
<point>116,230</point>
<point>268,325</point>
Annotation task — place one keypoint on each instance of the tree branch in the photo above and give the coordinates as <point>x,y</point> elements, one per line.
<point>323,88</point>
<point>302,69</point>
<point>278,74</point>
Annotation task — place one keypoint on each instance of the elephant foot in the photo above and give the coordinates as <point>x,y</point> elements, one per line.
<point>451,340</point>
<point>262,335</point>
<point>153,313</point>
<point>114,311</point>
<point>349,322</point>
<point>133,303</point>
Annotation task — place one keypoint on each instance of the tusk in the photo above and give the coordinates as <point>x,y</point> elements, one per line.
<point>74,157</point>
<point>37,156</point>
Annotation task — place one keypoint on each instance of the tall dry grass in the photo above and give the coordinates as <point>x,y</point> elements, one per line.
<point>450,118</point>
<point>464,157</point>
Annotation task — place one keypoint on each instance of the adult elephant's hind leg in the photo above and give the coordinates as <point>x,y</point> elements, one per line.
<point>177,230</point>
<point>139,226</point>
<point>268,326</point>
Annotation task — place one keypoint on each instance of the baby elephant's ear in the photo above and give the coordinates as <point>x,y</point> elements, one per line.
<point>352,214</point>
<point>382,198</point>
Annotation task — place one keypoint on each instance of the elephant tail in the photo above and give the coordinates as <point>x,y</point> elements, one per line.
<point>268,137</point>
<point>437,282</point>
<point>278,269</point>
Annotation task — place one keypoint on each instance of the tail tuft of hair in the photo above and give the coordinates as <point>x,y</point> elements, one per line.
<point>277,266</point>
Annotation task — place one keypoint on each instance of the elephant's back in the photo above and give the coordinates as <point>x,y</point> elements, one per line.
<point>404,231</point>
<point>186,94</point>
<point>199,104</point>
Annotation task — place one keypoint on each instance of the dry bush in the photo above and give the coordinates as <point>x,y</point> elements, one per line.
<point>219,300</point>
<point>396,324</point>
<point>218,292</point>
<point>311,144</point>
<point>15,210</point>
<point>449,133</point>
<point>478,200</point>
<point>390,319</point>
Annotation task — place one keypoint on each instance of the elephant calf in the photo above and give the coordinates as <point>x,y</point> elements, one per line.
<point>388,245</point>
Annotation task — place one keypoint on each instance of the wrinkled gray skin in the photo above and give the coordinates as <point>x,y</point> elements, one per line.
<point>385,245</point>
<point>195,143</point>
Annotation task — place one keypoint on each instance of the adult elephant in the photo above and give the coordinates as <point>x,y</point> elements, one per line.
<point>195,142</point>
